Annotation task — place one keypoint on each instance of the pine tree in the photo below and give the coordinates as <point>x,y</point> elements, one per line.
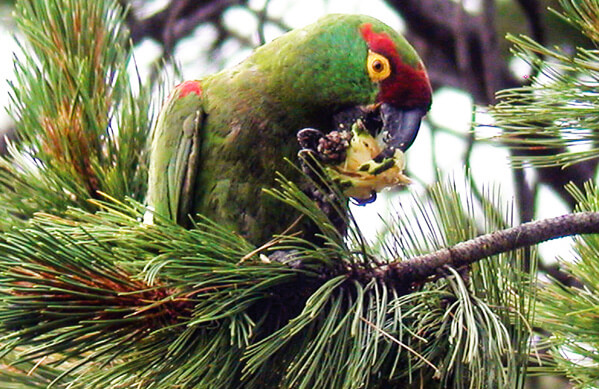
<point>94,298</point>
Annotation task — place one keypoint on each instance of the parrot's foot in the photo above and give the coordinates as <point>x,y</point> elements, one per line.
<point>328,202</point>
<point>318,150</point>
<point>354,157</point>
<point>319,192</point>
<point>327,148</point>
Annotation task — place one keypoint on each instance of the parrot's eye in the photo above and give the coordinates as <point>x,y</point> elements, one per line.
<point>378,66</point>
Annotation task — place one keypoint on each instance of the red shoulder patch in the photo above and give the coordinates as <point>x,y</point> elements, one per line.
<point>406,86</point>
<point>187,87</point>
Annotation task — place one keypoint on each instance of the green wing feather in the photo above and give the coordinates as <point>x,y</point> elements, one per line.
<point>175,154</point>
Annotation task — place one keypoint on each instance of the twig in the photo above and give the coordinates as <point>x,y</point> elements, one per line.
<point>401,344</point>
<point>176,21</point>
<point>285,234</point>
<point>491,52</point>
<point>533,11</point>
<point>262,19</point>
<point>174,11</point>
<point>418,269</point>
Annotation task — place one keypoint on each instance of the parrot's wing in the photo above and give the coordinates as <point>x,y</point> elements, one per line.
<point>175,153</point>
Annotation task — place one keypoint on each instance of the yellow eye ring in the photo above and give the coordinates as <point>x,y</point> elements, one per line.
<point>378,66</point>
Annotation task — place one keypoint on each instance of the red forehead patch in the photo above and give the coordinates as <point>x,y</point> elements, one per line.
<point>406,86</point>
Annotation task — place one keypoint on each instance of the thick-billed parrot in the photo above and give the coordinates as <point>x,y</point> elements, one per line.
<point>219,141</point>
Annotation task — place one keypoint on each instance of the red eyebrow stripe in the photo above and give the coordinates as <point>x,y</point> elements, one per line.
<point>379,42</point>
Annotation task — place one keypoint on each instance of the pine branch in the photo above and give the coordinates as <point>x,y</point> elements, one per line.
<point>557,129</point>
<point>420,268</point>
<point>164,304</point>
<point>568,313</point>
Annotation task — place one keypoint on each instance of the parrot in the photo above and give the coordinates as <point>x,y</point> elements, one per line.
<point>220,141</point>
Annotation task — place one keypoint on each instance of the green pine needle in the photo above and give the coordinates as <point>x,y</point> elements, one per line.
<point>570,313</point>
<point>81,127</point>
<point>105,297</point>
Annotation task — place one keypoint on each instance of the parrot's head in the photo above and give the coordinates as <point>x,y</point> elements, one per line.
<point>344,66</point>
<point>403,90</point>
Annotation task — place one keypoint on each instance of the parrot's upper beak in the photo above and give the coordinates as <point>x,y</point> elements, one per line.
<point>399,128</point>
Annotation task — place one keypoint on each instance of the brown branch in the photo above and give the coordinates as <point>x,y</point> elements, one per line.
<point>177,20</point>
<point>458,48</point>
<point>418,269</point>
<point>534,16</point>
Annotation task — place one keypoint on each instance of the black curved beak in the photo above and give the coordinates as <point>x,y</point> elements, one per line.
<point>400,127</point>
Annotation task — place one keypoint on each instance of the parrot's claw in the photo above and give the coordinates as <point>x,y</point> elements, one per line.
<point>308,138</point>
<point>308,158</point>
<point>362,202</point>
<point>306,153</point>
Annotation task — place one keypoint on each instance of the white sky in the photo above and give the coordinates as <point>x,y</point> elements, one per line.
<point>6,65</point>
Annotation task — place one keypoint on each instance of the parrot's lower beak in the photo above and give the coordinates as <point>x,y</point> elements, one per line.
<point>399,128</point>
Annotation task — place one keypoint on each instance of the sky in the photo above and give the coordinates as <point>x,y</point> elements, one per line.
<point>451,108</point>
<point>6,63</point>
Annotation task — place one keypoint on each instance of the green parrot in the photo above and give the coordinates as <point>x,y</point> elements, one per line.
<point>218,142</point>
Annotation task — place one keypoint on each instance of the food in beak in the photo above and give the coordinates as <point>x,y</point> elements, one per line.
<point>360,174</point>
<point>365,152</point>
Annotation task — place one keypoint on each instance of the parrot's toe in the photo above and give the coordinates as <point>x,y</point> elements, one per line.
<point>308,138</point>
